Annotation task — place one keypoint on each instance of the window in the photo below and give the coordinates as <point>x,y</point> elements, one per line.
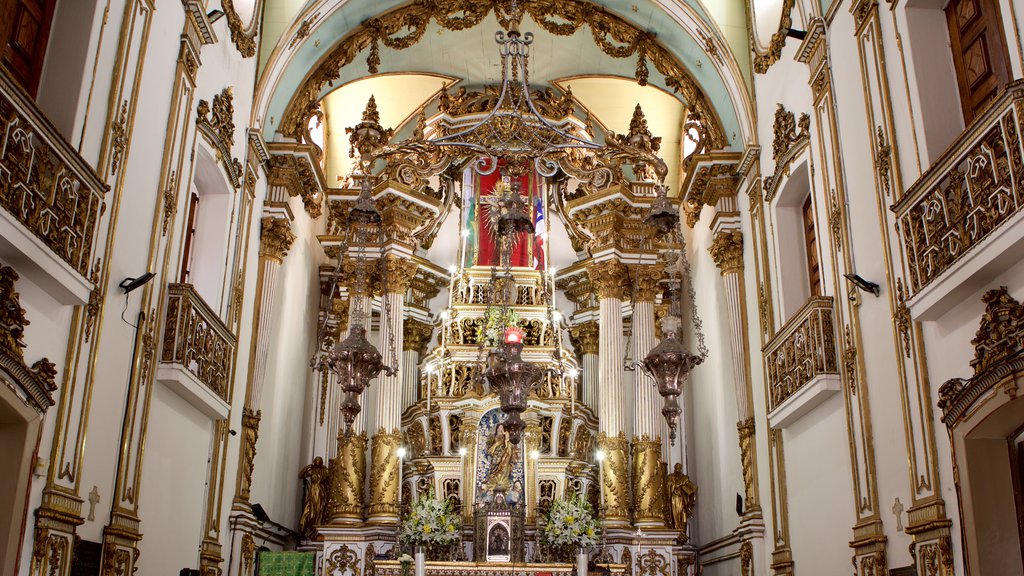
<point>25,29</point>
<point>811,248</point>
<point>979,52</point>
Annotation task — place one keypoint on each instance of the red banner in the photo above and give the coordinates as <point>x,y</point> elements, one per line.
<point>487,251</point>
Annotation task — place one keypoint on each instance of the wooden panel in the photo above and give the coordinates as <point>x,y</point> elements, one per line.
<point>811,248</point>
<point>25,30</point>
<point>979,52</point>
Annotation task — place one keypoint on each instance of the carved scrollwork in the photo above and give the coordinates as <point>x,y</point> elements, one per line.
<point>804,348</point>
<point>217,125</point>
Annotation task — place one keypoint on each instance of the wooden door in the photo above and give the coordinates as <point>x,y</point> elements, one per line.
<point>979,52</point>
<point>811,247</point>
<point>25,29</point>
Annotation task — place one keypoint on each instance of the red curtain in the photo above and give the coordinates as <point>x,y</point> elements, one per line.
<point>487,252</point>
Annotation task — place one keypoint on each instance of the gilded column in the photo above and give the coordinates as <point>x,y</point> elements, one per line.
<point>648,493</point>
<point>470,426</point>
<point>585,338</point>
<point>610,279</point>
<point>416,334</point>
<point>384,449</point>
<point>532,439</point>
<point>275,239</point>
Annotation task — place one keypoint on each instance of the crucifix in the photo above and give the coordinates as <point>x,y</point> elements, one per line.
<point>897,509</point>
<point>94,498</point>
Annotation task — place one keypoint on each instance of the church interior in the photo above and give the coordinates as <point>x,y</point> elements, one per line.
<point>511,287</point>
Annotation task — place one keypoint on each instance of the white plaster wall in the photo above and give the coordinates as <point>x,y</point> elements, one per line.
<point>714,455</point>
<point>282,445</point>
<point>175,477</point>
<point>820,489</point>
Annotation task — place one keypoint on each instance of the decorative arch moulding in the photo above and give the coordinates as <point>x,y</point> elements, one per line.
<point>614,36</point>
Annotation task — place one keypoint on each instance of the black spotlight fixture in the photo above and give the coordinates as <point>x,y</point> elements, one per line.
<point>129,284</point>
<point>214,15</point>
<point>862,284</point>
<point>796,34</point>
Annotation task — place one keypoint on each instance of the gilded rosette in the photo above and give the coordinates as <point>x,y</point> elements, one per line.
<point>348,472</point>
<point>648,482</point>
<point>384,478</point>
<point>615,469</point>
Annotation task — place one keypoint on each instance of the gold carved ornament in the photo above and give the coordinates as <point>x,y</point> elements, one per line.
<point>613,35</point>
<point>245,40</point>
<point>727,251</point>
<point>610,279</point>
<point>648,490</point>
<point>616,475</point>
<point>682,494</point>
<point>36,381</point>
<point>746,558</point>
<point>314,507</point>
<point>746,430</point>
<point>296,174</point>
<point>399,273</point>
<point>384,474</point>
<point>342,560</point>
<point>217,124</point>
<point>348,469</point>
<point>652,563</point>
<point>647,282</point>
<point>415,335</point>
<point>276,237</point>
<point>250,435</point>
<point>762,62</point>
<point>586,337</point>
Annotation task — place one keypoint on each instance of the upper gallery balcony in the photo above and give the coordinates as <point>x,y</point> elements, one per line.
<point>801,362</point>
<point>51,198</point>
<point>960,223</point>
<point>198,352</point>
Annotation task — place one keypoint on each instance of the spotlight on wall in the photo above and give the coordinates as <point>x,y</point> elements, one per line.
<point>862,284</point>
<point>260,513</point>
<point>739,504</point>
<point>796,34</point>
<point>129,284</point>
<point>214,15</point>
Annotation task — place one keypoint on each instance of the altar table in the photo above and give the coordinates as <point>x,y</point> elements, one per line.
<point>393,568</point>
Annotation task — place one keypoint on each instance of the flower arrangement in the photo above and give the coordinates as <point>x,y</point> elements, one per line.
<point>431,523</point>
<point>569,526</point>
<point>492,330</point>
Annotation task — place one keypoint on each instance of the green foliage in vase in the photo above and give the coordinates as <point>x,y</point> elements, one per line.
<point>495,322</point>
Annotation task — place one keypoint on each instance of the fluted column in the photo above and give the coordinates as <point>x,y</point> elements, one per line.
<point>648,493</point>
<point>727,252</point>
<point>415,336</point>
<point>586,340</point>
<point>384,475</point>
<point>609,278</point>
<point>275,238</point>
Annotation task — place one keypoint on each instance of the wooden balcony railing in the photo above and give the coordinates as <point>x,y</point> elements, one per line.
<point>196,339</point>
<point>803,349</point>
<point>44,183</point>
<point>970,191</point>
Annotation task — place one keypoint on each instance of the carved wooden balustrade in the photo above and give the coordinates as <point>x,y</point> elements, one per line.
<point>972,190</point>
<point>44,183</point>
<point>197,339</point>
<point>803,349</point>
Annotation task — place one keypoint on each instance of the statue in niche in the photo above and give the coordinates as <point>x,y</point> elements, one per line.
<point>497,544</point>
<point>314,507</point>
<point>502,455</point>
<point>683,495</point>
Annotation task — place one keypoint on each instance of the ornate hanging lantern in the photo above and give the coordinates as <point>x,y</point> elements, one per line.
<point>512,378</point>
<point>669,363</point>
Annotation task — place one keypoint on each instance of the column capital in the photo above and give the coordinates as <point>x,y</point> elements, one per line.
<point>585,337</point>
<point>276,238</point>
<point>727,251</point>
<point>609,277</point>
<point>647,281</point>
<point>400,272</point>
<point>415,334</point>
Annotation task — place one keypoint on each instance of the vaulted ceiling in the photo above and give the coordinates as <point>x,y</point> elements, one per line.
<point>708,45</point>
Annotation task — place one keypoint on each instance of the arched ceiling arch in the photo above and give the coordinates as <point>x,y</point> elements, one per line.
<point>679,49</point>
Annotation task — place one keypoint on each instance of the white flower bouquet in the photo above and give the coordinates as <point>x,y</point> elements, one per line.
<point>570,526</point>
<point>431,523</point>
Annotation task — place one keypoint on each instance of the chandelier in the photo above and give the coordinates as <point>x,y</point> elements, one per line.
<point>669,363</point>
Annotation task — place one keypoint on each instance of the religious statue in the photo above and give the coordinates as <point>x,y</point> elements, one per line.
<point>683,495</point>
<point>502,454</point>
<point>314,507</point>
<point>498,542</point>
